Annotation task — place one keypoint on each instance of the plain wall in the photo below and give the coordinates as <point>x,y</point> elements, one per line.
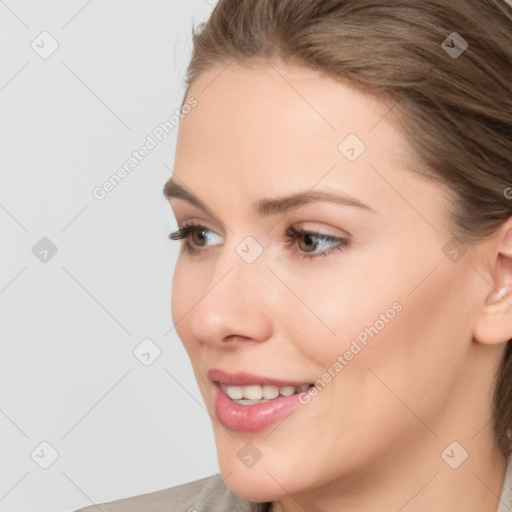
<point>70,321</point>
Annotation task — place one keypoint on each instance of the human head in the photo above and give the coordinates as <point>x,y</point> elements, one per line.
<point>456,113</point>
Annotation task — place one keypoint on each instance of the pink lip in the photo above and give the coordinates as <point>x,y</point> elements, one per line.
<point>250,418</point>
<point>248,379</point>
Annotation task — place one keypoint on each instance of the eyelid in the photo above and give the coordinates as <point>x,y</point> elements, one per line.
<point>191,223</point>
<point>321,232</point>
<point>296,229</point>
<point>189,227</point>
<point>292,234</point>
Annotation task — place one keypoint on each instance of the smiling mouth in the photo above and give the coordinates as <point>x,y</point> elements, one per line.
<point>258,394</point>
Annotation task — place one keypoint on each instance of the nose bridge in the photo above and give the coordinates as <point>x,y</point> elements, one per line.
<point>234,298</point>
<point>241,267</point>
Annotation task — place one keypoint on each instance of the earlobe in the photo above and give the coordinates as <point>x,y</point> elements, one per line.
<point>495,296</point>
<point>494,323</point>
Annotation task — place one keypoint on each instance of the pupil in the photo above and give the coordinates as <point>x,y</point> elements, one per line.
<point>309,241</point>
<point>201,236</point>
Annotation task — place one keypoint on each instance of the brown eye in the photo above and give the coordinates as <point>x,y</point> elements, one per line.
<point>196,237</point>
<point>306,244</point>
<point>309,244</point>
<point>199,237</point>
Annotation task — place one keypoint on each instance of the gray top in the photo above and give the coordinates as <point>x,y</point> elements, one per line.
<point>206,495</point>
<point>506,493</point>
<point>212,495</point>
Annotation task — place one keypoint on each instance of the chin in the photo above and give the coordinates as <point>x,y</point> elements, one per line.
<point>253,486</point>
<point>270,478</point>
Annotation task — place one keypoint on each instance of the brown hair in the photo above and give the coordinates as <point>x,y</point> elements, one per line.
<point>456,109</point>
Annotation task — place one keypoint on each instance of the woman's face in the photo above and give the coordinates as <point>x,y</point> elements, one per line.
<point>371,307</point>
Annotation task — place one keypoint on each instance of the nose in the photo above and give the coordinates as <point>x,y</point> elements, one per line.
<point>234,304</point>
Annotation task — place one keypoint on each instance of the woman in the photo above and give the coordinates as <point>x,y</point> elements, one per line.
<point>344,286</point>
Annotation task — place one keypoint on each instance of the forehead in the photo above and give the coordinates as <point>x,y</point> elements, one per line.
<point>275,96</point>
<point>259,128</point>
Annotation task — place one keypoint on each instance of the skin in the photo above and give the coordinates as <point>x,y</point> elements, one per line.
<point>372,439</point>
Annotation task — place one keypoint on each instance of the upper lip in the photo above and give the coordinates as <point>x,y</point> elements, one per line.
<point>248,379</point>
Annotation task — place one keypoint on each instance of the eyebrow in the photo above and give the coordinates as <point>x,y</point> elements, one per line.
<point>266,207</point>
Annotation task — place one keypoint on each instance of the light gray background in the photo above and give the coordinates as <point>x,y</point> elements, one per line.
<point>69,325</point>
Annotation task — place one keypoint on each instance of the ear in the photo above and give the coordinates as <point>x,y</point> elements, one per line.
<point>494,323</point>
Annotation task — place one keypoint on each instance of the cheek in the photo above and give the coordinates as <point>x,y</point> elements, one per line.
<point>396,319</point>
<point>327,308</point>
<point>183,297</point>
<point>414,360</point>
<point>178,293</point>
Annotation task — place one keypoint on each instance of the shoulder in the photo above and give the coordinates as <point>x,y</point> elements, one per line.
<point>506,493</point>
<point>206,495</point>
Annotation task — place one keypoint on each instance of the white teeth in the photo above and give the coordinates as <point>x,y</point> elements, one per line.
<point>234,392</point>
<point>250,402</point>
<point>287,390</point>
<point>252,392</point>
<point>258,394</point>
<point>270,391</point>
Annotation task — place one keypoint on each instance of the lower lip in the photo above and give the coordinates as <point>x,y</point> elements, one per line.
<point>252,418</point>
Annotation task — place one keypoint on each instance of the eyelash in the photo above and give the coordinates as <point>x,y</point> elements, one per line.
<point>184,232</point>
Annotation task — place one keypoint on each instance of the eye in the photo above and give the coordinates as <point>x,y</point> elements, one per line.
<point>195,235</point>
<point>309,242</point>
<point>196,238</point>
